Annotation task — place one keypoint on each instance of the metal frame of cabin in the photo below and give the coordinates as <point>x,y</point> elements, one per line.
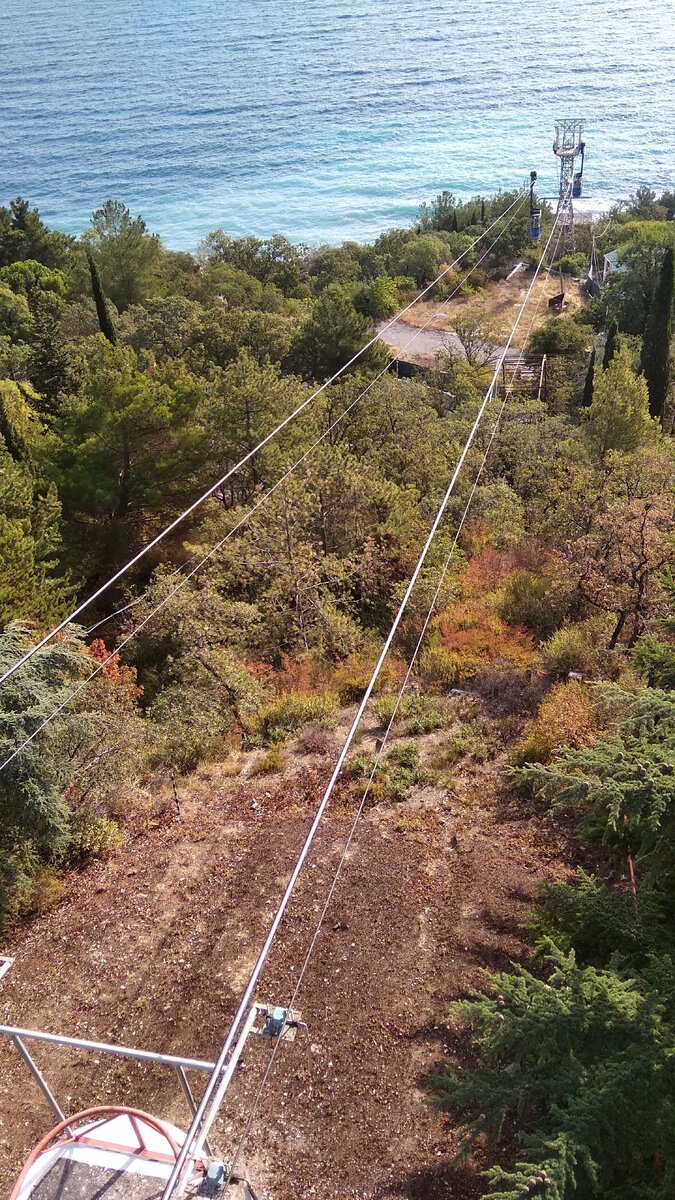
<point>278,1023</point>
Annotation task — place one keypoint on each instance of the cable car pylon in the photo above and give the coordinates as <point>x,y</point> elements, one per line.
<point>568,147</point>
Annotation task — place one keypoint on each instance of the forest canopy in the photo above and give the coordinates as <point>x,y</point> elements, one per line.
<point>132,377</point>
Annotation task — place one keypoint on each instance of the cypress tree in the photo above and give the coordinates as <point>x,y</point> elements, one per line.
<point>587,399</point>
<point>611,345</point>
<point>655,360</point>
<point>105,324</point>
<point>482,212</point>
<point>455,223</point>
<point>474,217</point>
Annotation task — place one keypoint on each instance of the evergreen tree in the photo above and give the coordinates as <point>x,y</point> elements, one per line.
<point>106,326</point>
<point>455,223</point>
<point>618,417</point>
<point>334,333</point>
<point>129,256</point>
<point>655,360</point>
<point>611,344</point>
<point>621,790</point>
<point>581,1059</point>
<point>474,217</point>
<point>587,399</point>
<point>482,212</point>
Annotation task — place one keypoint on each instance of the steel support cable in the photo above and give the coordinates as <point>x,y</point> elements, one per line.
<point>383,742</point>
<point>394,358</point>
<point>192,1145</point>
<point>251,454</point>
<point>243,520</point>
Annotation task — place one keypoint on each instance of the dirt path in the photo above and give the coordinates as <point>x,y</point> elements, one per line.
<point>418,345</point>
<point>153,948</point>
<point>424,332</point>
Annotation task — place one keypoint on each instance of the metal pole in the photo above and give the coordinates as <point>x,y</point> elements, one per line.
<point>217,1099</point>
<point>5,964</point>
<point>167,1060</point>
<point>187,1092</point>
<point>40,1080</point>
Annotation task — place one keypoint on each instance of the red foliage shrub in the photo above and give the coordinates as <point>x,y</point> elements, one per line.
<point>114,672</point>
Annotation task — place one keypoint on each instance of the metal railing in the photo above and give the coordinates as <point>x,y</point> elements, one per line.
<point>19,1036</point>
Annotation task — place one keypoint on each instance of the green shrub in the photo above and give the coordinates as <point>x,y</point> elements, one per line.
<point>402,823</point>
<point>439,665</point>
<point>91,836</point>
<point>469,741</point>
<point>270,763</point>
<point>656,660</point>
<point>533,601</point>
<point>425,724</point>
<point>406,754</point>
<point>394,776</point>
<point>360,766</point>
<point>48,888</point>
<point>188,725</point>
<point>402,771</point>
<point>422,714</point>
<point>377,299</point>
<point>581,648</point>
<point>352,678</point>
<point>291,710</point>
<point>572,264</point>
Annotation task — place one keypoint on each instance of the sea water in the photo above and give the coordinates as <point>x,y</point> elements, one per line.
<point>323,119</point>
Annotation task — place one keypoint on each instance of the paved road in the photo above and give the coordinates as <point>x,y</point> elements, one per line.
<point>422,345</point>
<point>426,345</point>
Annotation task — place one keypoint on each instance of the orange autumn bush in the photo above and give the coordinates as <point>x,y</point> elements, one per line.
<point>466,636</point>
<point>566,717</point>
<point>122,679</point>
<point>352,677</point>
<point>488,567</point>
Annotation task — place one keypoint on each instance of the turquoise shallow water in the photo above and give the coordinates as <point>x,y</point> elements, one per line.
<point>322,119</point>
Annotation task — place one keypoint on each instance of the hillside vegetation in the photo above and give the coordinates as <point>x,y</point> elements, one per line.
<point>132,377</point>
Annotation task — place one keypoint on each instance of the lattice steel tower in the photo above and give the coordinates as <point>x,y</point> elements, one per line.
<point>568,146</point>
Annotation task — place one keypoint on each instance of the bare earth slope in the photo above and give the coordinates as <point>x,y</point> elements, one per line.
<point>152,949</point>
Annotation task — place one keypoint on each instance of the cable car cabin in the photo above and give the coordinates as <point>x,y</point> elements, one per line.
<point>577,186</point>
<point>534,228</point>
<point>116,1153</point>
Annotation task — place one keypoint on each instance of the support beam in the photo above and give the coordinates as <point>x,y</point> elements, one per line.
<point>55,1039</point>
<point>39,1079</point>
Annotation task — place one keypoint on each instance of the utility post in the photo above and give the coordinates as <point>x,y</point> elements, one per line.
<point>568,147</point>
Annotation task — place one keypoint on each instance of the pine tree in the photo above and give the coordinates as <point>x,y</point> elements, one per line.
<point>622,790</point>
<point>655,360</point>
<point>618,417</point>
<point>611,345</point>
<point>105,324</point>
<point>579,1059</point>
<point>588,386</point>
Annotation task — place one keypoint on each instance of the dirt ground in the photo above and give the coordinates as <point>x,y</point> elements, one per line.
<point>153,949</point>
<point>500,303</point>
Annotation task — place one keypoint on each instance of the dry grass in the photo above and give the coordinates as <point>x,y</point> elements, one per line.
<point>500,303</point>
